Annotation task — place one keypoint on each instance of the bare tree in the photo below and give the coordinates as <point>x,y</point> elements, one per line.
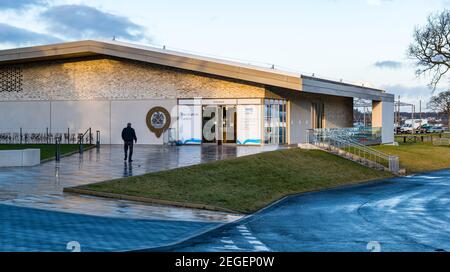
<point>431,47</point>
<point>441,103</point>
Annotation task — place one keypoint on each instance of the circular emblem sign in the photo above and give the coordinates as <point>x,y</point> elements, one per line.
<point>158,120</point>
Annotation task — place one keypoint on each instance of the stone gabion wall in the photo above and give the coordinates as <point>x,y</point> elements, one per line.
<point>113,79</point>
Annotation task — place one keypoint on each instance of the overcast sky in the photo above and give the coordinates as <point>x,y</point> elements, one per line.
<point>359,41</point>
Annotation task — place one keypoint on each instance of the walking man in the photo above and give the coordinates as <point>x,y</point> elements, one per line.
<point>128,136</point>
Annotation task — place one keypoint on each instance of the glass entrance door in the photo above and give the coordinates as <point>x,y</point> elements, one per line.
<point>209,124</point>
<point>219,124</point>
<point>229,124</point>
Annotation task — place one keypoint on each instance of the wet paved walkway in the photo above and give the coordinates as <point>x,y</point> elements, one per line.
<point>400,214</point>
<point>35,214</point>
<point>41,186</point>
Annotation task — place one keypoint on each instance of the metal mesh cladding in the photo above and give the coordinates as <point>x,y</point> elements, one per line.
<point>11,79</point>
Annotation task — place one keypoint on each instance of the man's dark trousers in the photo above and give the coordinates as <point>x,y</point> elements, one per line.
<point>128,145</point>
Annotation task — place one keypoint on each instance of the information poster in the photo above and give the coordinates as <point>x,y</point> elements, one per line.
<point>190,124</point>
<point>249,124</point>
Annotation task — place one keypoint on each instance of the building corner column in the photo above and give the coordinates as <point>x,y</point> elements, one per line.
<point>383,117</point>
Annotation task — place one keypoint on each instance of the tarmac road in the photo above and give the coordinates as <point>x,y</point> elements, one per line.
<point>400,214</point>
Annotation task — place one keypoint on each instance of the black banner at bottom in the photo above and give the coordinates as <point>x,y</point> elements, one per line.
<point>143,261</point>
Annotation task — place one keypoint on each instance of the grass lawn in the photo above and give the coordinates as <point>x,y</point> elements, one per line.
<point>47,150</point>
<point>244,184</point>
<point>419,157</point>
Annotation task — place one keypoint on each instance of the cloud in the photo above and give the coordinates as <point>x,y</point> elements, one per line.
<point>84,22</point>
<point>19,4</point>
<point>388,64</point>
<point>18,36</point>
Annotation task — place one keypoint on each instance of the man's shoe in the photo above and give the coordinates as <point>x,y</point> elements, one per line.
<point>130,160</point>
<point>125,159</point>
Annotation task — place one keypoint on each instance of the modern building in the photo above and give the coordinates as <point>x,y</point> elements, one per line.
<point>193,99</point>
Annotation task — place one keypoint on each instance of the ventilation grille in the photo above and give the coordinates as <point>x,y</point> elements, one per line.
<point>10,79</point>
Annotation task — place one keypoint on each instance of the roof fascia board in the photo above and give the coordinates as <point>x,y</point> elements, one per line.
<point>43,48</point>
<point>45,53</point>
<point>168,58</point>
<point>326,87</point>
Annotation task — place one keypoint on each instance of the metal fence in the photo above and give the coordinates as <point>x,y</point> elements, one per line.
<point>44,136</point>
<point>421,138</point>
<point>441,141</point>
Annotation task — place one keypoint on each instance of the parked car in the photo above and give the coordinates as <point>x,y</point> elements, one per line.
<point>437,129</point>
<point>407,128</point>
<point>424,128</point>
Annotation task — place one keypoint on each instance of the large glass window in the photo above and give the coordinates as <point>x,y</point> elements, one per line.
<point>275,121</point>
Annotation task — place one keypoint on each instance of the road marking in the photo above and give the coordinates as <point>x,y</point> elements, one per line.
<point>261,248</point>
<point>251,239</point>
<point>233,247</point>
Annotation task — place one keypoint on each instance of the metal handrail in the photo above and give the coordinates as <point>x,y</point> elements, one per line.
<point>368,148</point>
<point>354,148</point>
<point>348,138</point>
<point>81,137</point>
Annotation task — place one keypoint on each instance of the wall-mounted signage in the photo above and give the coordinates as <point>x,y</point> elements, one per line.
<point>158,120</point>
